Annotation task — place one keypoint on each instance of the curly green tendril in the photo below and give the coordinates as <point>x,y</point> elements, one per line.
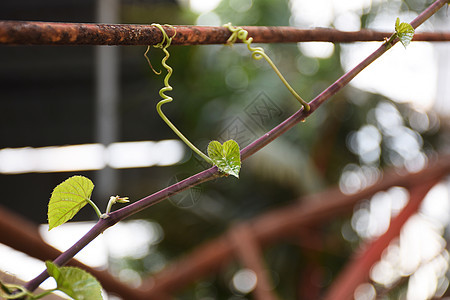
<point>258,53</point>
<point>164,44</point>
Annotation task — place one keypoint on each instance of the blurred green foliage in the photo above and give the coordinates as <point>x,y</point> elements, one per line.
<point>216,89</point>
<point>213,85</point>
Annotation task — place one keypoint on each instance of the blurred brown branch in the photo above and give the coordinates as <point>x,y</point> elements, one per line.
<point>209,258</point>
<point>283,223</point>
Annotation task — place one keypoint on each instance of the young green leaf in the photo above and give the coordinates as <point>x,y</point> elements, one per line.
<point>75,282</point>
<point>405,32</point>
<point>226,157</point>
<point>67,199</point>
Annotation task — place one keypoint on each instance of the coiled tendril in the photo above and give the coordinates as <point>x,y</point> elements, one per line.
<point>164,44</point>
<point>257,54</point>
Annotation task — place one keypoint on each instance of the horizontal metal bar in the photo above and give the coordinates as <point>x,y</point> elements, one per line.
<point>50,33</point>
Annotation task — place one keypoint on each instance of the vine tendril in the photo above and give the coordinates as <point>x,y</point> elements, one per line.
<point>164,44</point>
<point>149,63</point>
<point>257,54</point>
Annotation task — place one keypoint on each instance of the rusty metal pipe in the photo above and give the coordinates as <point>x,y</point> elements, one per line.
<point>50,33</point>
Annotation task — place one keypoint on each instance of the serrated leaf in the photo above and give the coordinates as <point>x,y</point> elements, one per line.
<point>75,282</point>
<point>405,32</point>
<point>67,199</point>
<point>226,157</point>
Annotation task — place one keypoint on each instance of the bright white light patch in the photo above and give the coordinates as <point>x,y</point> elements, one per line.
<point>169,152</point>
<point>22,266</point>
<point>202,6</point>
<point>145,154</point>
<point>64,236</point>
<point>90,157</point>
<point>132,154</point>
<point>317,49</point>
<point>317,13</point>
<point>244,281</point>
<point>125,239</point>
<point>365,291</point>
<point>347,22</point>
<point>404,75</point>
<point>51,159</point>
<point>135,245</point>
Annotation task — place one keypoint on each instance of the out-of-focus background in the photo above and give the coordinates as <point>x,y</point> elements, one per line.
<point>91,111</point>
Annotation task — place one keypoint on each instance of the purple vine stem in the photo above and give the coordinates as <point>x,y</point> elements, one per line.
<point>248,151</point>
